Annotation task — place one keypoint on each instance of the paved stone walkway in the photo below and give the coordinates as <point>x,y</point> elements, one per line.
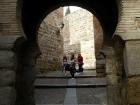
<point>70,96</point>
<point>67,91</point>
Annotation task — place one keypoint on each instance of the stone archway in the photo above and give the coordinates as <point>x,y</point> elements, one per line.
<point>32,14</point>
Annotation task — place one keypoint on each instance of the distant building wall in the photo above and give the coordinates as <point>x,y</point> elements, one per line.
<point>78,36</point>
<point>51,42</point>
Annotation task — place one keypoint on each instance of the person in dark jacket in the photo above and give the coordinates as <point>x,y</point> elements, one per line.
<point>64,64</point>
<point>72,66</point>
<point>80,62</point>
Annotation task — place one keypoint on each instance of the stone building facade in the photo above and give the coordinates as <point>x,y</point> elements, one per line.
<point>9,32</point>
<point>81,34</point>
<point>127,28</point>
<point>51,42</point>
<point>9,25</point>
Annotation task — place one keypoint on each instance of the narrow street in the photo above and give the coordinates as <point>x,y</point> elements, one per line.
<point>85,89</point>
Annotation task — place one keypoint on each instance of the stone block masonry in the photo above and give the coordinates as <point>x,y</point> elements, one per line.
<point>9,32</point>
<point>78,31</point>
<point>133,90</point>
<point>51,42</point>
<point>128,26</point>
<point>7,70</point>
<point>8,18</point>
<point>132,67</point>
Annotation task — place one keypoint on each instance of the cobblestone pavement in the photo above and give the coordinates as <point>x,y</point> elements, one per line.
<point>71,95</point>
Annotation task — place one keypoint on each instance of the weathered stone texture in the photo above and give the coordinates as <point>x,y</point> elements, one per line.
<point>7,42</point>
<point>134,90</point>
<point>50,41</point>
<point>129,20</point>
<point>79,30</point>
<point>8,20</point>
<point>113,95</point>
<point>7,96</point>
<point>113,80</point>
<point>7,78</point>
<point>6,59</point>
<point>132,58</point>
<point>7,70</point>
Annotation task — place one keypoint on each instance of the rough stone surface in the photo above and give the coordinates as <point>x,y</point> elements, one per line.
<point>79,36</point>
<point>128,24</point>
<point>7,96</point>
<point>8,18</point>
<point>112,79</point>
<point>130,18</point>
<point>110,61</point>
<point>7,59</point>
<point>132,56</point>
<point>134,90</point>
<point>7,78</point>
<point>113,95</point>
<point>7,42</point>
<point>113,88</point>
<point>50,42</point>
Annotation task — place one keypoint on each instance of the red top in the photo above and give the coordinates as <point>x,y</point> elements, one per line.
<point>80,59</point>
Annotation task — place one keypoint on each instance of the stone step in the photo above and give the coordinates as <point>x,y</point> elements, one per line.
<point>68,104</point>
<point>63,83</point>
<point>69,76</point>
<point>41,86</point>
<point>59,74</point>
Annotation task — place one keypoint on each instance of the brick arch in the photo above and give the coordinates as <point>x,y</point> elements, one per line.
<point>34,11</point>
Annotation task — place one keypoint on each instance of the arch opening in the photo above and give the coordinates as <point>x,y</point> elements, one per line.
<point>33,12</point>
<point>77,32</point>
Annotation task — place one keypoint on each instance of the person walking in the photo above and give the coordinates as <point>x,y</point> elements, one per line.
<point>72,66</point>
<point>65,62</point>
<point>80,62</point>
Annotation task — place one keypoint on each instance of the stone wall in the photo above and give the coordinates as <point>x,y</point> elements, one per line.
<point>132,69</point>
<point>129,22</point>
<point>50,42</point>
<point>129,28</point>
<point>98,37</point>
<point>8,18</point>
<point>78,29</point>
<point>7,70</point>
<point>9,31</point>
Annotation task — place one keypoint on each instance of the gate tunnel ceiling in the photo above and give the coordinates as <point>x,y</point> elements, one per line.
<point>34,11</point>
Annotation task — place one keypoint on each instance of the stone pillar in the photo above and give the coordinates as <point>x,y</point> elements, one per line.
<point>100,64</point>
<point>116,76</point>
<point>7,70</point>
<point>132,67</point>
<point>27,53</point>
<point>115,72</point>
<point>113,94</point>
<point>119,45</point>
